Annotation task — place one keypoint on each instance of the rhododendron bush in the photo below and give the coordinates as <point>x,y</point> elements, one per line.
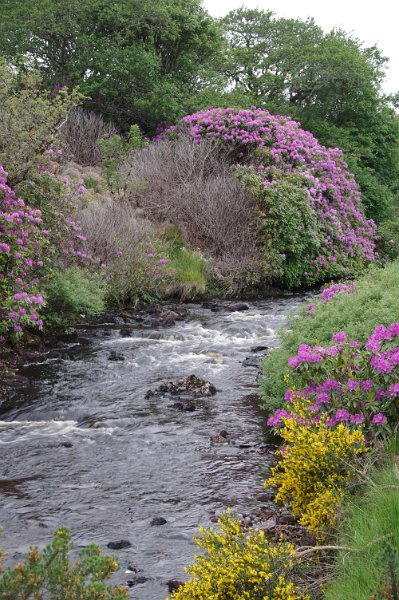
<point>35,244</point>
<point>348,383</point>
<point>310,208</point>
<point>22,247</point>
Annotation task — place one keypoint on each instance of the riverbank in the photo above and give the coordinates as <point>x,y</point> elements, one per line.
<point>85,448</point>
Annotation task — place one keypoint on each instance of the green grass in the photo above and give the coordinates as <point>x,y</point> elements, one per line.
<point>371,529</point>
<point>189,269</point>
<point>71,293</point>
<point>375,301</point>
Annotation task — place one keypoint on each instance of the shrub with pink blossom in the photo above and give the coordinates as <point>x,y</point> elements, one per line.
<point>352,384</point>
<point>23,247</point>
<point>336,288</point>
<point>309,204</point>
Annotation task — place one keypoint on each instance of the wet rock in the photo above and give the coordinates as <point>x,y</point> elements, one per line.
<point>259,348</point>
<point>267,513</point>
<point>137,580</point>
<point>247,521</point>
<point>252,361</point>
<point>156,521</point>
<point>125,332</point>
<point>184,406</point>
<point>238,306</point>
<point>286,519</point>
<point>116,356</point>
<point>162,316</point>
<point>192,384</point>
<point>266,449</point>
<point>125,314</point>
<point>268,497</point>
<point>222,437</point>
<point>118,321</point>
<point>214,519</point>
<point>174,584</point>
<point>133,568</point>
<point>213,305</point>
<point>269,524</point>
<point>66,445</point>
<point>119,544</point>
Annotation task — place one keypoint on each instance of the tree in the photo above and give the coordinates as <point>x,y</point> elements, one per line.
<point>329,82</point>
<point>136,60</point>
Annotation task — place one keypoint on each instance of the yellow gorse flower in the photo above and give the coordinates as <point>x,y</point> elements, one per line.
<point>239,565</point>
<point>315,466</point>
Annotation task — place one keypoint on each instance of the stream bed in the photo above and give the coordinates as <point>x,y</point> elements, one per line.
<point>85,446</point>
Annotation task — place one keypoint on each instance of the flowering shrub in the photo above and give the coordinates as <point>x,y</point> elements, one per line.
<point>52,574</point>
<point>336,288</point>
<point>23,244</point>
<point>239,565</point>
<point>315,465</point>
<point>375,300</point>
<point>274,155</point>
<point>36,242</point>
<point>347,383</point>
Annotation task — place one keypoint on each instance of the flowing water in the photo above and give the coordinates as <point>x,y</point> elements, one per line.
<point>83,447</point>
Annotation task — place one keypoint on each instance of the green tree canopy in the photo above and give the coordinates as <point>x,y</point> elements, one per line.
<point>136,60</point>
<point>330,82</point>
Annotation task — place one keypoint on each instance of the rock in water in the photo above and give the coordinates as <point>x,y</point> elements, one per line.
<point>158,521</point>
<point>118,545</point>
<point>238,306</point>
<point>115,356</point>
<point>188,385</point>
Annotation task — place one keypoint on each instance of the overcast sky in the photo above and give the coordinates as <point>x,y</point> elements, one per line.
<point>372,22</point>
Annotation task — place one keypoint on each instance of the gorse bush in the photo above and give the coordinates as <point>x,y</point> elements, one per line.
<point>315,465</point>
<point>240,565</point>
<point>51,575</point>
<point>374,301</point>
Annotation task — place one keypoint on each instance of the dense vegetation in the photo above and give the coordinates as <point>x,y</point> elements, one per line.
<point>119,184</point>
<point>337,469</point>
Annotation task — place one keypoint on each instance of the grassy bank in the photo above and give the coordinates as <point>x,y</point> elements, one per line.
<point>371,529</point>
<point>375,301</point>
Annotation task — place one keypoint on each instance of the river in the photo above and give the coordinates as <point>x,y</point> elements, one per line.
<point>83,446</point>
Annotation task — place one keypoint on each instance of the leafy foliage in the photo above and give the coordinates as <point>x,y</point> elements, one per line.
<point>29,120</point>
<point>51,573</point>
<point>375,301</point>
<point>137,60</point>
<point>330,82</point>
<point>348,383</point>
<point>240,565</point>
<point>315,466</point>
<point>73,294</point>
<point>24,242</point>
<point>321,223</point>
